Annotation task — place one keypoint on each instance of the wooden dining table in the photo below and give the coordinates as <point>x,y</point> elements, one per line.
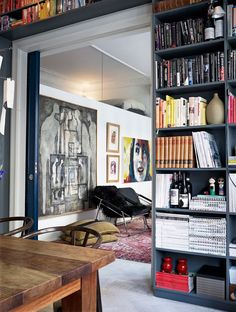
<point>34,274</point>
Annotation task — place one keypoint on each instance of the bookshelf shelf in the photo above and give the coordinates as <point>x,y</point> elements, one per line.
<point>190,169</point>
<point>188,211</point>
<point>181,12</point>
<point>190,253</point>
<point>190,128</point>
<point>191,49</point>
<point>93,10</point>
<point>167,111</point>
<point>232,83</point>
<point>210,86</point>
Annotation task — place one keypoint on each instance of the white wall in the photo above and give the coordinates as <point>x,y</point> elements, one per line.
<point>131,125</point>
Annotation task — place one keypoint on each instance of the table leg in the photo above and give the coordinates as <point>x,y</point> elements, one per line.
<point>84,300</point>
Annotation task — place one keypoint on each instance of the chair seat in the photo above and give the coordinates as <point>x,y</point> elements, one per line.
<point>138,210</point>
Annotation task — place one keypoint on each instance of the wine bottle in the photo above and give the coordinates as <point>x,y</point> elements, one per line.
<point>219,28</point>
<point>174,192</point>
<point>209,30</point>
<point>189,189</point>
<point>183,193</point>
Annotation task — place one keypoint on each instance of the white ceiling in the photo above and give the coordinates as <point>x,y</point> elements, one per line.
<point>123,61</point>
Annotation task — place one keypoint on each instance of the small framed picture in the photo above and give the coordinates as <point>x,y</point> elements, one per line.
<point>113,138</point>
<point>113,168</point>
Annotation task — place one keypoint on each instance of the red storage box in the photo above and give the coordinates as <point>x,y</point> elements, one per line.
<point>184,283</point>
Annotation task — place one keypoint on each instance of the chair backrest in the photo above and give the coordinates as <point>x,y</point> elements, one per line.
<point>73,231</point>
<point>130,195</point>
<point>27,223</point>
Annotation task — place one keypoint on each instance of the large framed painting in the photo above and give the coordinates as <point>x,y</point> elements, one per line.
<point>67,156</point>
<point>136,160</point>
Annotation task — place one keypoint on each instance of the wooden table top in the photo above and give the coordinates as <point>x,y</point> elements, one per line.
<point>30,268</point>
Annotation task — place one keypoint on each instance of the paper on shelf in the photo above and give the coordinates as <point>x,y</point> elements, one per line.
<point>3,121</point>
<point>8,93</point>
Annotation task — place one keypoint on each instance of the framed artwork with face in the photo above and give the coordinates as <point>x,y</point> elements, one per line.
<point>113,168</point>
<point>113,138</point>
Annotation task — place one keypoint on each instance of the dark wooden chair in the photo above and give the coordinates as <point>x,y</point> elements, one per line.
<point>88,233</point>
<point>26,222</point>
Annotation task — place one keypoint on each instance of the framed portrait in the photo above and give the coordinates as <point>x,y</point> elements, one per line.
<point>113,138</point>
<point>113,168</point>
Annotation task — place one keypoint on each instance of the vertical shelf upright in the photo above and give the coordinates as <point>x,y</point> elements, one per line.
<point>225,137</point>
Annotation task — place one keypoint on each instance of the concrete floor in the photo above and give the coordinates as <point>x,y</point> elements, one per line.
<point>126,288</point>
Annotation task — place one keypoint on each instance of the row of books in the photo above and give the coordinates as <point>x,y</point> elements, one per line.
<point>232,64</point>
<point>206,150</point>
<point>175,34</point>
<point>231,108</point>
<point>208,67</point>
<point>174,152</point>
<point>188,233</point>
<point>231,20</point>
<point>232,192</point>
<point>62,5</point>
<point>208,203</point>
<point>232,161</point>
<point>39,11</point>
<point>180,112</point>
<point>164,5</point>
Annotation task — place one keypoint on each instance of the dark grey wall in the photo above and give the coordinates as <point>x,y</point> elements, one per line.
<point>5,140</point>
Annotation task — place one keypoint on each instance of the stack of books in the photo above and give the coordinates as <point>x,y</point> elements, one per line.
<point>184,283</point>
<point>172,231</point>
<point>206,150</point>
<point>174,152</point>
<point>232,161</point>
<point>180,112</point>
<point>232,192</point>
<point>232,251</point>
<point>208,203</point>
<point>207,235</point>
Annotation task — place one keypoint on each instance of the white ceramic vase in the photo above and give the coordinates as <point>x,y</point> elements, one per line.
<point>215,111</point>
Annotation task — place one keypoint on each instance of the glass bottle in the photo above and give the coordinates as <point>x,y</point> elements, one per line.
<point>219,28</point>
<point>189,189</point>
<point>174,192</point>
<point>183,193</point>
<point>209,29</point>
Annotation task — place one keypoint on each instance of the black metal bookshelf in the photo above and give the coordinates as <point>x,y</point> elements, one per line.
<point>225,136</point>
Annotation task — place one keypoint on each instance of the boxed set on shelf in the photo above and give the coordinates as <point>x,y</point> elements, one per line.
<point>210,281</point>
<point>184,283</point>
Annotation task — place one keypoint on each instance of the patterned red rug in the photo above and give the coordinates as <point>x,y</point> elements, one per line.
<point>136,247</point>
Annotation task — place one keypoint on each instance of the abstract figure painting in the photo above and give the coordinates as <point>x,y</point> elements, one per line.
<point>136,161</point>
<point>67,156</point>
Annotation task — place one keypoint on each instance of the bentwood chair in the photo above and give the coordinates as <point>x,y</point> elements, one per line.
<point>84,241</point>
<point>23,229</point>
